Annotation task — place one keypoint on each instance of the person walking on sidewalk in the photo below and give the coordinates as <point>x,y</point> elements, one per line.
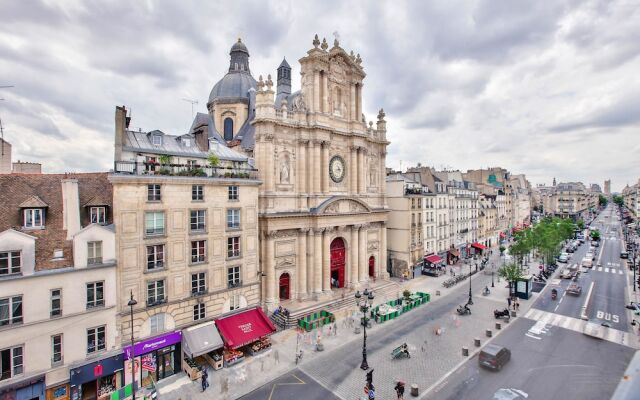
<point>509,302</point>
<point>517,305</point>
<point>205,382</point>
<point>400,390</point>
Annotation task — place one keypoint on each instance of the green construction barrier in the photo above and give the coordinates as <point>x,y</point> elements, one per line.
<point>316,320</point>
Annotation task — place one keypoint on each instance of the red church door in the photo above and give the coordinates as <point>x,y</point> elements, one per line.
<point>337,263</point>
<point>284,286</point>
<point>372,266</point>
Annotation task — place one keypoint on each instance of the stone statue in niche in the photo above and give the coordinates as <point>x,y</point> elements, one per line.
<point>372,177</point>
<point>284,170</point>
<point>299,103</point>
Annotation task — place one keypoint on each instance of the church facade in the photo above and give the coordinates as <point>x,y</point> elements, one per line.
<point>322,210</point>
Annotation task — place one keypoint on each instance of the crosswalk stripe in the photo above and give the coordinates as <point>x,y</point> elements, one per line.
<point>621,273</point>
<point>606,270</point>
<point>599,269</point>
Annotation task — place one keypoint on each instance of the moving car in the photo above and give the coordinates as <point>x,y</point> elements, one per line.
<point>590,255</point>
<point>596,243</point>
<point>587,262</point>
<point>574,289</point>
<point>624,254</point>
<point>494,356</point>
<point>566,274</point>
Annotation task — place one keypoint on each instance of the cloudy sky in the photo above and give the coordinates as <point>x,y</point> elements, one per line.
<point>545,88</point>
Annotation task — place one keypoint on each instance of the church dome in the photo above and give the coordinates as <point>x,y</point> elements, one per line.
<point>239,46</point>
<point>237,82</point>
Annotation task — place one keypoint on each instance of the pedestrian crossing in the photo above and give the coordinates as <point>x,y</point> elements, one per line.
<point>576,325</point>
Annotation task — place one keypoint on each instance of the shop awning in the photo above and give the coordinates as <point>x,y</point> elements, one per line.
<point>243,328</point>
<point>478,246</point>
<point>454,252</point>
<point>201,339</point>
<point>433,259</point>
<point>503,235</point>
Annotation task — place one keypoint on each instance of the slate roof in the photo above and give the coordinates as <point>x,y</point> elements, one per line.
<point>33,202</point>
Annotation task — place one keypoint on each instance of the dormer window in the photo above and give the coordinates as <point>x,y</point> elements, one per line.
<point>34,218</point>
<point>156,140</point>
<point>98,215</point>
<point>186,142</point>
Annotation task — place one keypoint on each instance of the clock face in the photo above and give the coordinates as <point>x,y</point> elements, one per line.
<point>336,169</point>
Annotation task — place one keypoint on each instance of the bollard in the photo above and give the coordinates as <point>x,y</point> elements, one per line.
<point>319,347</point>
<point>437,293</point>
<point>488,333</point>
<point>465,352</point>
<point>507,320</point>
<point>357,330</point>
<point>498,325</point>
<point>513,314</point>
<point>476,342</point>
<point>414,390</point>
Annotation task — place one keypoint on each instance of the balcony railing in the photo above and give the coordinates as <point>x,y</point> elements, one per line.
<point>234,284</point>
<point>205,171</point>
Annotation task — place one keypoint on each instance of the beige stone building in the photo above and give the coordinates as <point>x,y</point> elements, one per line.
<point>631,197</point>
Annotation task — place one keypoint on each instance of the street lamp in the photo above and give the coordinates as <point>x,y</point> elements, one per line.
<point>364,301</point>
<point>132,303</point>
<point>470,302</point>
<point>493,267</point>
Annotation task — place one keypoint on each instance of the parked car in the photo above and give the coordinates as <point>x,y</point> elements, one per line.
<point>494,356</point>
<point>574,289</point>
<point>596,243</point>
<point>566,274</point>
<point>563,258</point>
<point>587,262</point>
<point>590,255</point>
<point>624,254</point>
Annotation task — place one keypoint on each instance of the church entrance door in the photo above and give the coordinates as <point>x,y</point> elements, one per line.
<point>372,266</point>
<point>337,263</point>
<point>284,286</point>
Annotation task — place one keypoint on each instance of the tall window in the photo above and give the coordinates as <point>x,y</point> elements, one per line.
<point>198,283</point>
<point>233,218</point>
<point>95,294</point>
<point>56,302</point>
<point>233,247</point>
<point>233,277</point>
<point>155,292</point>
<point>228,129</point>
<point>10,262</point>
<point>234,302</point>
<point>98,215</point>
<point>198,251</point>
<point>94,253</point>
<point>96,339</point>
<point>197,192</point>
<point>10,362</point>
<point>198,220</point>
<point>11,310</point>
<point>155,256</point>
<point>34,218</point>
<point>233,193</point>
<point>154,223</point>
<point>56,349</point>
<point>198,311</point>
<point>157,323</point>
<point>156,140</point>
<point>153,193</point>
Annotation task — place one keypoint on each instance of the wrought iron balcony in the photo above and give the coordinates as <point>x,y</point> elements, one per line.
<point>205,171</point>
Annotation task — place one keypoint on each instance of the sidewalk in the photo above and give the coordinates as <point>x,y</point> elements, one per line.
<point>444,351</point>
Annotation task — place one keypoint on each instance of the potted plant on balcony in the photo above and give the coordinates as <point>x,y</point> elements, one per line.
<point>165,163</point>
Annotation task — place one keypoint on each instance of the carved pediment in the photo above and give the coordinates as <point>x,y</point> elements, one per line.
<point>342,205</point>
<point>284,262</point>
<point>372,246</point>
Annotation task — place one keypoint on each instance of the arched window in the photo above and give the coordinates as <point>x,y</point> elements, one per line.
<point>228,129</point>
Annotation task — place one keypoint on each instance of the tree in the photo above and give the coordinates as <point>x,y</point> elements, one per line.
<point>618,200</point>
<point>580,224</point>
<point>511,273</point>
<point>595,235</point>
<point>213,159</point>
<point>602,200</point>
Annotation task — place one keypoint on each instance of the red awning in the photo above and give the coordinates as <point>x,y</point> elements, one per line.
<point>478,246</point>
<point>454,252</point>
<point>502,235</point>
<point>433,259</point>
<point>241,329</point>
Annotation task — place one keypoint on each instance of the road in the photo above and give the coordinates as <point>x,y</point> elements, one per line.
<point>292,385</point>
<point>555,366</point>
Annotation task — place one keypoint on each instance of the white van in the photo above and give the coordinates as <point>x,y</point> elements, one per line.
<point>587,262</point>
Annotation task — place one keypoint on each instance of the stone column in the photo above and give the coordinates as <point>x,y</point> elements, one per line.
<point>362,254</point>
<point>317,166</point>
<point>383,252</point>
<point>353,257</point>
<point>302,264</point>
<point>383,172</point>
<point>353,170</point>
<point>302,167</point>
<point>325,93</point>
<point>317,256</point>
<point>326,261</point>
<point>310,261</point>
<point>316,90</point>
<point>270,298</point>
<point>352,101</point>
<point>324,168</point>
<point>361,173</point>
<point>269,173</point>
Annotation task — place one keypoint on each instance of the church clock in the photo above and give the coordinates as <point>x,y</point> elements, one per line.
<point>336,169</point>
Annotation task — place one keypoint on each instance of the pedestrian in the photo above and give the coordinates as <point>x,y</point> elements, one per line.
<point>517,305</point>
<point>335,329</point>
<point>330,330</point>
<point>205,375</point>
<point>509,302</point>
<point>400,390</point>
<point>276,356</point>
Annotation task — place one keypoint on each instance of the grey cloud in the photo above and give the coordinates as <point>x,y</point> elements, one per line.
<point>625,111</point>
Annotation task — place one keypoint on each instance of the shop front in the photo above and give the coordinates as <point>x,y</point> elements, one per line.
<point>96,380</point>
<point>433,265</point>
<point>153,359</point>
<point>478,248</point>
<point>26,389</point>
<point>453,255</point>
<point>245,333</point>
<point>201,346</point>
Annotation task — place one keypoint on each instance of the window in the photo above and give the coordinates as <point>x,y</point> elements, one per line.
<point>156,140</point>
<point>233,277</point>
<point>96,339</point>
<point>34,218</point>
<point>98,215</point>
<point>58,254</point>
<point>234,302</point>
<point>154,223</point>
<point>157,323</point>
<point>155,256</point>
<point>56,302</point>
<point>153,193</point>
<point>233,193</point>
<point>56,349</point>
<point>233,218</point>
<point>228,127</point>
<point>186,142</point>
<point>197,192</point>
<point>95,294</point>
<point>94,253</point>
<point>198,218</point>
<point>198,251</point>
<point>192,164</point>
<point>155,292</point>
<point>10,362</point>
<point>10,262</point>
<point>11,310</point>
<point>198,311</point>
<point>233,247</point>
<point>198,283</point>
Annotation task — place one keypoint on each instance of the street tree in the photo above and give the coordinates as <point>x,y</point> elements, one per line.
<point>595,235</point>
<point>602,200</point>
<point>511,272</point>
<point>618,200</point>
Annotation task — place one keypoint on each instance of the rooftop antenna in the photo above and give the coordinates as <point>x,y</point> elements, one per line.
<point>192,103</point>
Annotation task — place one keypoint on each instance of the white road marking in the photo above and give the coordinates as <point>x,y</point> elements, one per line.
<point>532,336</point>
<point>556,309</point>
<point>606,269</point>
<point>599,269</point>
<point>620,272</point>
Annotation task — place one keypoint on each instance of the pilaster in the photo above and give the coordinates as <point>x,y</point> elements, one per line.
<point>317,257</point>
<point>302,264</point>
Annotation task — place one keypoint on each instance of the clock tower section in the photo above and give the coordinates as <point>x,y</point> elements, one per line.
<point>322,202</point>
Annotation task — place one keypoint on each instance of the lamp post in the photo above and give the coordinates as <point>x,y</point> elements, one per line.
<point>132,303</point>
<point>364,301</point>
<point>470,302</point>
<point>493,267</point>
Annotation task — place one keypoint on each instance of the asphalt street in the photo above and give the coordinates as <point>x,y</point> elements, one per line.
<point>292,385</point>
<point>556,366</point>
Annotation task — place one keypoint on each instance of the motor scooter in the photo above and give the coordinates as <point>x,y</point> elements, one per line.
<point>462,310</point>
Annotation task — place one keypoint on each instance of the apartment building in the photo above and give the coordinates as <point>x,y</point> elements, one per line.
<point>631,197</point>
<point>57,286</point>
